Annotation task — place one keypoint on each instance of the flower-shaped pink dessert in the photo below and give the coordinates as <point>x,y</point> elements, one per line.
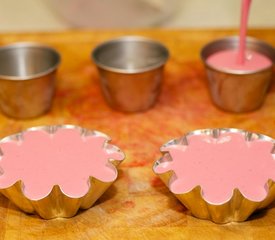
<point>55,170</point>
<point>220,174</point>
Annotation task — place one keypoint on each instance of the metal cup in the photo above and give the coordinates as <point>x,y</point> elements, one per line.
<point>27,79</point>
<point>235,90</point>
<point>131,71</point>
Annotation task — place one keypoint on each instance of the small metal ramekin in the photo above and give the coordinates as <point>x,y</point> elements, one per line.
<point>236,90</point>
<point>27,79</point>
<point>131,71</point>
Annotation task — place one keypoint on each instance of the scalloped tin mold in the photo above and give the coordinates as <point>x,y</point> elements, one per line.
<point>223,175</point>
<point>56,170</point>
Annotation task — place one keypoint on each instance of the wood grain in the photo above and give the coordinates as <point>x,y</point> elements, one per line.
<point>138,205</point>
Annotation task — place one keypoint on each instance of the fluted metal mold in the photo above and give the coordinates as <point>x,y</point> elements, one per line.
<point>56,203</point>
<point>237,208</point>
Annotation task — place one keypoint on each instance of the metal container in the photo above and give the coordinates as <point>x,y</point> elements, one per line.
<point>131,71</point>
<point>27,79</point>
<point>238,207</point>
<point>235,90</point>
<point>57,202</point>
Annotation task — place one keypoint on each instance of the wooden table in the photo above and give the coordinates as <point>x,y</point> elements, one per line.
<point>138,205</point>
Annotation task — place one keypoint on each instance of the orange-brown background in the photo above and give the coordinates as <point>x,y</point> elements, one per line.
<point>138,205</point>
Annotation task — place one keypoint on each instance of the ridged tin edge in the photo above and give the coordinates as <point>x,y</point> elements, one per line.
<point>56,203</point>
<point>238,208</point>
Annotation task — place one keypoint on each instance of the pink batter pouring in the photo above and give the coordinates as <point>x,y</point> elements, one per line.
<point>240,59</point>
<point>219,165</point>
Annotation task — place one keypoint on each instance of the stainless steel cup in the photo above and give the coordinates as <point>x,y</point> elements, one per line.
<point>131,71</point>
<point>235,90</point>
<point>27,79</point>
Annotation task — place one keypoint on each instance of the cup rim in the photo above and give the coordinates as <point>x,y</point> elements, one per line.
<point>18,45</point>
<point>130,38</point>
<point>233,43</point>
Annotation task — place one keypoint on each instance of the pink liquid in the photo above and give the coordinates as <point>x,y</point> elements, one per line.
<point>243,31</point>
<point>65,158</point>
<point>226,60</point>
<point>240,59</point>
<point>219,165</point>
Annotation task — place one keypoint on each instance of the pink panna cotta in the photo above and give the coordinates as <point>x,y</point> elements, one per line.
<point>221,164</point>
<point>66,158</point>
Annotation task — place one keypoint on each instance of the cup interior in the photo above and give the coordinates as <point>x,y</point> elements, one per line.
<point>130,55</point>
<point>233,43</point>
<point>27,61</point>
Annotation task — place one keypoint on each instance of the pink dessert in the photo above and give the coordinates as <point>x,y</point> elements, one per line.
<point>240,59</point>
<point>226,60</point>
<point>219,165</point>
<point>67,158</point>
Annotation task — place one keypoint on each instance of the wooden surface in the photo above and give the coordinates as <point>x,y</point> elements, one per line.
<point>138,205</point>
